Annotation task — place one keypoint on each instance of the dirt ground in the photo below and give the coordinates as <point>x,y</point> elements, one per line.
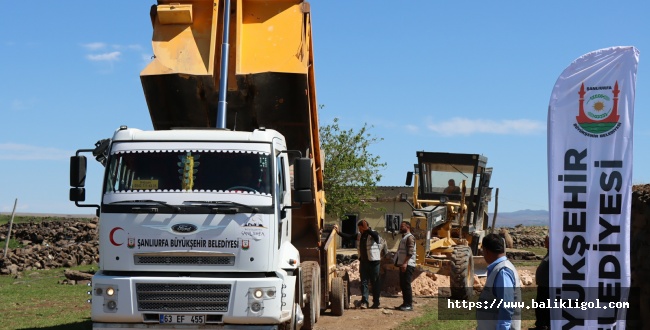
<point>387,317</point>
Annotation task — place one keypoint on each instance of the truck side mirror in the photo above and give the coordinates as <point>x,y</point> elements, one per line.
<point>302,181</point>
<point>409,178</point>
<point>77,194</point>
<point>78,165</point>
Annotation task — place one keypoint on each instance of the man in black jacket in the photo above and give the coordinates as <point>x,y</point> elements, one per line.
<point>369,250</point>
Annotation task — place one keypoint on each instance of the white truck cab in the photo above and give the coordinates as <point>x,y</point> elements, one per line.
<point>195,228</point>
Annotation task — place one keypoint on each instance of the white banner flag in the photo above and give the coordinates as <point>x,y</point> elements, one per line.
<point>590,119</point>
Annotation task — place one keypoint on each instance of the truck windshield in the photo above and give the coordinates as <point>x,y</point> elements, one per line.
<point>197,170</point>
<point>446,178</point>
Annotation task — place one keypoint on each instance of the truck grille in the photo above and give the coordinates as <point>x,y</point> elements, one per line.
<point>184,260</point>
<point>183,297</point>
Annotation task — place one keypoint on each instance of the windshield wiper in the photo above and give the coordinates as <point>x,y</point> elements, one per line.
<point>226,206</point>
<point>459,171</point>
<point>150,201</point>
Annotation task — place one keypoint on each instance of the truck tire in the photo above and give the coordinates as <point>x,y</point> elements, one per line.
<point>319,297</point>
<point>311,274</point>
<point>462,273</point>
<point>346,287</point>
<point>337,296</point>
<point>346,294</point>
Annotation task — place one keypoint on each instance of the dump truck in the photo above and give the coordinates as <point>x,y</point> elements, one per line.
<point>215,217</point>
<point>450,221</point>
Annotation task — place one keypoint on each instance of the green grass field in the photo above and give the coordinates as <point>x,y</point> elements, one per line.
<point>37,300</point>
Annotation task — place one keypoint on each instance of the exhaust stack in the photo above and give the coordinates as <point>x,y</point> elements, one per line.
<point>223,79</point>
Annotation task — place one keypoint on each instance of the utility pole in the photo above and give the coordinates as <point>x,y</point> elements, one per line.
<point>11,222</point>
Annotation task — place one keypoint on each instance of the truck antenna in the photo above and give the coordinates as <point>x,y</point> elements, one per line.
<point>223,79</point>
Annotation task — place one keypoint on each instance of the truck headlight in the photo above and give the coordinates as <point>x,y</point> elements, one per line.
<point>258,293</point>
<point>262,293</point>
<point>256,297</point>
<point>108,294</point>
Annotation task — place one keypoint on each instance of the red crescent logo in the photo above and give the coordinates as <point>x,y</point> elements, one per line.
<point>110,236</point>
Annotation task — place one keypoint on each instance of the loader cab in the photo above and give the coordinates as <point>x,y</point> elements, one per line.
<point>454,177</point>
<point>450,202</point>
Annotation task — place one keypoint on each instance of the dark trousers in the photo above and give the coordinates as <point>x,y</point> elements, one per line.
<point>405,279</point>
<point>542,315</point>
<point>369,273</point>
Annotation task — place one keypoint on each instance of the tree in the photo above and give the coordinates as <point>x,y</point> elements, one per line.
<point>351,172</point>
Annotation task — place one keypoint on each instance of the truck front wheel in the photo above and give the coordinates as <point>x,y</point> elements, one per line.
<point>311,274</point>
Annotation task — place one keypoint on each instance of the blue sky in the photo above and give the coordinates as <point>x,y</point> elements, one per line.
<point>449,76</point>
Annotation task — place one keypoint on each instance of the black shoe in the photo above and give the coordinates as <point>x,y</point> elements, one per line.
<point>406,308</point>
<point>375,306</point>
<point>363,305</point>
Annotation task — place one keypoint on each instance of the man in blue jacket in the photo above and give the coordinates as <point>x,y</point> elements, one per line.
<point>502,288</point>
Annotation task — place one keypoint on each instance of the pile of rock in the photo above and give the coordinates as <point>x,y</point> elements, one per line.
<point>424,282</point>
<point>524,236</point>
<point>342,259</point>
<point>49,244</point>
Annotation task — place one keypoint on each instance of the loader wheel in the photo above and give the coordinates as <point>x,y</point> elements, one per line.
<point>311,274</point>
<point>337,298</point>
<point>462,273</point>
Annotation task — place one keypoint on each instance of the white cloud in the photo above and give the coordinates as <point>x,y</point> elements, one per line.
<point>108,57</point>
<point>465,126</point>
<point>16,151</point>
<point>21,105</point>
<point>94,46</point>
<point>412,128</point>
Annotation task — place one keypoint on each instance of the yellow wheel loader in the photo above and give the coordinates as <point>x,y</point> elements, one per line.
<point>450,221</point>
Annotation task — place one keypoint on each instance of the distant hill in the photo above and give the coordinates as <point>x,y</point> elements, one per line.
<point>522,217</point>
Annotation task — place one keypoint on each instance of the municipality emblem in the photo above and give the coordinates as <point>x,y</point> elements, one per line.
<point>598,111</point>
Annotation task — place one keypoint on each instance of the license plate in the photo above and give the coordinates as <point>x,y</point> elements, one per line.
<point>182,319</point>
